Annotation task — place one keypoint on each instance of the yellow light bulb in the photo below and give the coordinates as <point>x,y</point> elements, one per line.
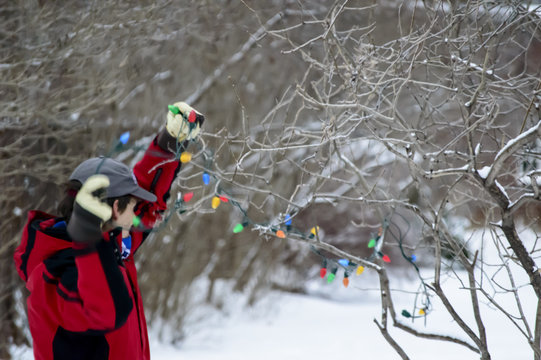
<point>360,270</point>
<point>185,157</point>
<point>215,202</point>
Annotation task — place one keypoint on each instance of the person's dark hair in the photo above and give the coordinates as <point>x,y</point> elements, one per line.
<point>72,187</point>
<point>123,202</point>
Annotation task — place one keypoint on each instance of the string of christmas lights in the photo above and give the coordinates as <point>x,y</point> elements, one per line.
<point>283,226</point>
<point>425,306</point>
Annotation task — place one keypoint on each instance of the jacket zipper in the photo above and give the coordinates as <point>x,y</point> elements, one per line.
<point>134,293</point>
<point>138,315</point>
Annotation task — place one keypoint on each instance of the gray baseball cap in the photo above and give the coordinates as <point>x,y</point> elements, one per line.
<point>121,177</point>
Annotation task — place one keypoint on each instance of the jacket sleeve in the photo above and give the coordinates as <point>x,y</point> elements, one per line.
<point>155,172</point>
<point>90,293</point>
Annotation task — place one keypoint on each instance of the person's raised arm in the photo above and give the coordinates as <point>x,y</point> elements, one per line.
<point>160,165</point>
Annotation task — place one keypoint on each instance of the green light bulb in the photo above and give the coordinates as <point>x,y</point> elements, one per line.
<point>405,313</point>
<point>238,228</point>
<point>175,110</point>
<point>330,278</point>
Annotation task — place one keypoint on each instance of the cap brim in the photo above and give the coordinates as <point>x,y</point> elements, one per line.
<point>144,195</point>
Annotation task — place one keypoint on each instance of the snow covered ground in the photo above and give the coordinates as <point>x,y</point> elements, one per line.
<point>321,326</point>
<point>333,322</point>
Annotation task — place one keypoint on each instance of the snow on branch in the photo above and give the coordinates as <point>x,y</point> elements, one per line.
<point>521,200</point>
<point>445,172</point>
<point>502,190</point>
<point>488,72</point>
<point>508,150</point>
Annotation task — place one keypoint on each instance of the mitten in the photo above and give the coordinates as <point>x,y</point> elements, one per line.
<point>89,212</point>
<point>183,123</point>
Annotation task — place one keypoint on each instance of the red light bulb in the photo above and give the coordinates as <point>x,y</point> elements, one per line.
<point>188,196</point>
<point>192,116</point>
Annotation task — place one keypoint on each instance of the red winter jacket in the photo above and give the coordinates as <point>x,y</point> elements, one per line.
<point>86,303</point>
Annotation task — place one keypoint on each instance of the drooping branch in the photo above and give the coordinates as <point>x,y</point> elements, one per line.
<point>526,261</point>
<point>509,149</point>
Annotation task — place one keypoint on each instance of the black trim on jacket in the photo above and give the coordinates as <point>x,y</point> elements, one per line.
<point>117,286</point>
<point>69,345</point>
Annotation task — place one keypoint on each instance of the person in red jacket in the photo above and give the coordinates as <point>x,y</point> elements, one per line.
<point>84,300</point>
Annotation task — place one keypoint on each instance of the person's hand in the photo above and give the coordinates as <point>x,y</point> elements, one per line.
<point>89,212</point>
<point>184,122</point>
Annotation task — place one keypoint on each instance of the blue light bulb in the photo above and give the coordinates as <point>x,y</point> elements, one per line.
<point>206,178</point>
<point>125,137</point>
<point>343,262</point>
<point>288,220</point>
